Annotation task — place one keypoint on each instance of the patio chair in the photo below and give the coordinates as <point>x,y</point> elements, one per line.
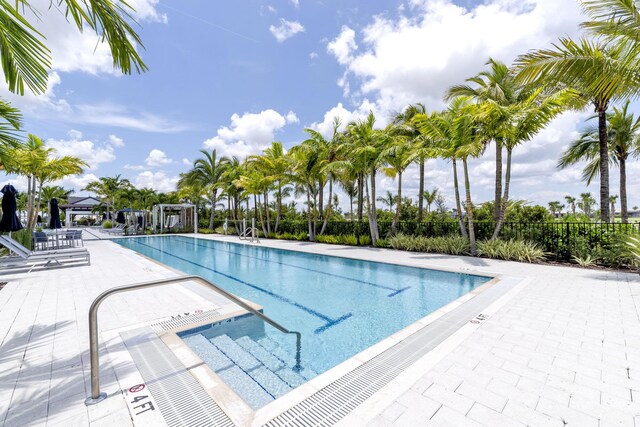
<point>115,230</point>
<point>40,240</point>
<point>48,258</point>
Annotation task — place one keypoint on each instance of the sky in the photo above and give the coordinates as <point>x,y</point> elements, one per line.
<point>235,76</point>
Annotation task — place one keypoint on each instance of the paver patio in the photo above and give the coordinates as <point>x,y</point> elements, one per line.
<point>564,351</point>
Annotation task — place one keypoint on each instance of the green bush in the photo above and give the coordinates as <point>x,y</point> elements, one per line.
<point>452,245</point>
<point>292,236</point>
<point>513,250</point>
<point>107,224</point>
<point>220,230</point>
<point>23,237</point>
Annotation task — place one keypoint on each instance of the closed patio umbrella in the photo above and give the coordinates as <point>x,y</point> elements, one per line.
<point>9,221</point>
<point>54,221</point>
<point>120,217</point>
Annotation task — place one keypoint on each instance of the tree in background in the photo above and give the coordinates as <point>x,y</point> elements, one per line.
<point>555,207</point>
<point>571,201</point>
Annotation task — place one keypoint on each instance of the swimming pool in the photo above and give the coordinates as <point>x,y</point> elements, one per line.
<point>340,306</point>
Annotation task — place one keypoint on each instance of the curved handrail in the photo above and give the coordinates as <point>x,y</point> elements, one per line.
<point>96,396</point>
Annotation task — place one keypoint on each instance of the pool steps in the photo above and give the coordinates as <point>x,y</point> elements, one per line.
<point>258,371</point>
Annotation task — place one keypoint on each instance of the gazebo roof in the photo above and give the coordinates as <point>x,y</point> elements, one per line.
<point>81,203</point>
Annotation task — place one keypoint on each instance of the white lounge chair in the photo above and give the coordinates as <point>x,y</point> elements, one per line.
<point>55,257</point>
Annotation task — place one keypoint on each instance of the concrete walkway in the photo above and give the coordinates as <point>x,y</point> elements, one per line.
<point>564,351</point>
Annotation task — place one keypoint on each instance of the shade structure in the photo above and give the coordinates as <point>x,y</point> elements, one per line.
<point>54,221</point>
<point>120,217</point>
<point>9,221</point>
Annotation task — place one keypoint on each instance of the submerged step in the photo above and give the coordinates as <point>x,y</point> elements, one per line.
<point>276,365</point>
<point>268,380</point>
<point>288,358</point>
<point>243,384</point>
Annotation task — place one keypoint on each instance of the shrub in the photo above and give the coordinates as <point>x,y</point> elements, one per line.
<point>344,239</point>
<point>513,250</point>
<point>107,224</point>
<point>453,245</point>
<point>293,236</point>
<point>205,231</point>
<point>220,230</point>
<point>23,237</point>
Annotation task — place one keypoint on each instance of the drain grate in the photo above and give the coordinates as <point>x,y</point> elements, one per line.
<point>332,403</point>
<point>180,321</point>
<point>180,398</point>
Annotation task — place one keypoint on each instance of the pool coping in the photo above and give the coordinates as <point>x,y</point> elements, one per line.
<point>242,414</point>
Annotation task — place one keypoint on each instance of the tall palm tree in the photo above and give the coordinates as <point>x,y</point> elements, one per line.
<point>207,172</point>
<point>37,162</point>
<point>364,145</point>
<point>422,146</point>
<point>555,207</point>
<point>498,86</point>
<point>624,142</point>
<point>351,190</point>
<point>397,154</point>
<point>612,200</point>
<point>571,201</point>
<point>305,173</point>
<point>586,203</point>
<point>54,192</point>
<point>388,200</point>
<point>430,197</point>
<point>601,73</point>
<point>108,188</point>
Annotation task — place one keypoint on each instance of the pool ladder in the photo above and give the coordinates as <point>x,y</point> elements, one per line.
<point>249,233</point>
<point>96,395</point>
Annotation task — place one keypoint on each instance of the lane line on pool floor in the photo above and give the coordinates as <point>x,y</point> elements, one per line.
<point>395,291</point>
<point>329,321</point>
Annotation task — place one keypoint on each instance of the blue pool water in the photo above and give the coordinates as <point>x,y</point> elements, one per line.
<point>341,306</point>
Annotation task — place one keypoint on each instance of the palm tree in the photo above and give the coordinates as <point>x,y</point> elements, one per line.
<point>612,201</point>
<point>422,147</point>
<point>388,200</point>
<point>555,207</point>
<point>498,86</point>
<point>33,160</point>
<point>624,142</point>
<point>571,201</point>
<point>54,192</point>
<point>599,72</point>
<point>586,203</point>
<point>364,147</point>
<point>108,188</point>
<point>207,172</point>
<point>351,190</point>
<point>398,155</point>
<point>305,173</point>
<point>430,197</point>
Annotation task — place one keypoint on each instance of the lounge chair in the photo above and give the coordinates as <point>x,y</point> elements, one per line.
<point>115,230</point>
<point>47,258</point>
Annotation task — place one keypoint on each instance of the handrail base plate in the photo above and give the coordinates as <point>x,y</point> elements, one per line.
<point>91,401</point>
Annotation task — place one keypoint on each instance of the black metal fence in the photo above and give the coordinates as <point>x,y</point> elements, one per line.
<point>562,240</point>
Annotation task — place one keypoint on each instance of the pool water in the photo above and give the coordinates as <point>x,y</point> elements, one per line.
<point>340,306</point>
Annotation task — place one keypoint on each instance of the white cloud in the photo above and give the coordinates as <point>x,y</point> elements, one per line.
<point>157,158</point>
<point>414,59</point>
<point>186,162</point>
<point>295,3</point>
<point>313,55</point>
<point>92,153</point>
<point>146,10</point>
<point>135,167</point>
<point>250,133</point>
<point>121,116</point>
<point>325,127</point>
<point>116,141</point>
<point>343,46</point>
<point>77,182</point>
<point>158,181</point>
<point>286,29</point>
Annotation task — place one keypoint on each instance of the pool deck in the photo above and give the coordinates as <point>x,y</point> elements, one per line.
<point>564,351</point>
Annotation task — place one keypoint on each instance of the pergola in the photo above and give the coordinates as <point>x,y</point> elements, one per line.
<point>186,218</point>
<point>79,206</point>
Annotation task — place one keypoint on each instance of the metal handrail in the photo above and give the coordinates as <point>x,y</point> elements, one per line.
<point>96,395</point>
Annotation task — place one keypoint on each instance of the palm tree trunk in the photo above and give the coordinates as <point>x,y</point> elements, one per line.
<point>212,200</point>
<point>320,205</point>
<point>279,213</point>
<point>498,193</point>
<point>463,229</point>
<point>268,214</point>
<point>396,218</point>
<point>326,218</point>
<point>467,188</point>
<point>421,191</point>
<point>604,164</point>
<point>264,230</point>
<point>360,195</point>
<point>373,218</point>
<point>623,190</point>
<point>255,206</point>
<point>505,199</point>
<point>350,207</point>
<point>312,235</point>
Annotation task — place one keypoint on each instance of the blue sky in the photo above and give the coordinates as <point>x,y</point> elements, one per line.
<point>236,75</point>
